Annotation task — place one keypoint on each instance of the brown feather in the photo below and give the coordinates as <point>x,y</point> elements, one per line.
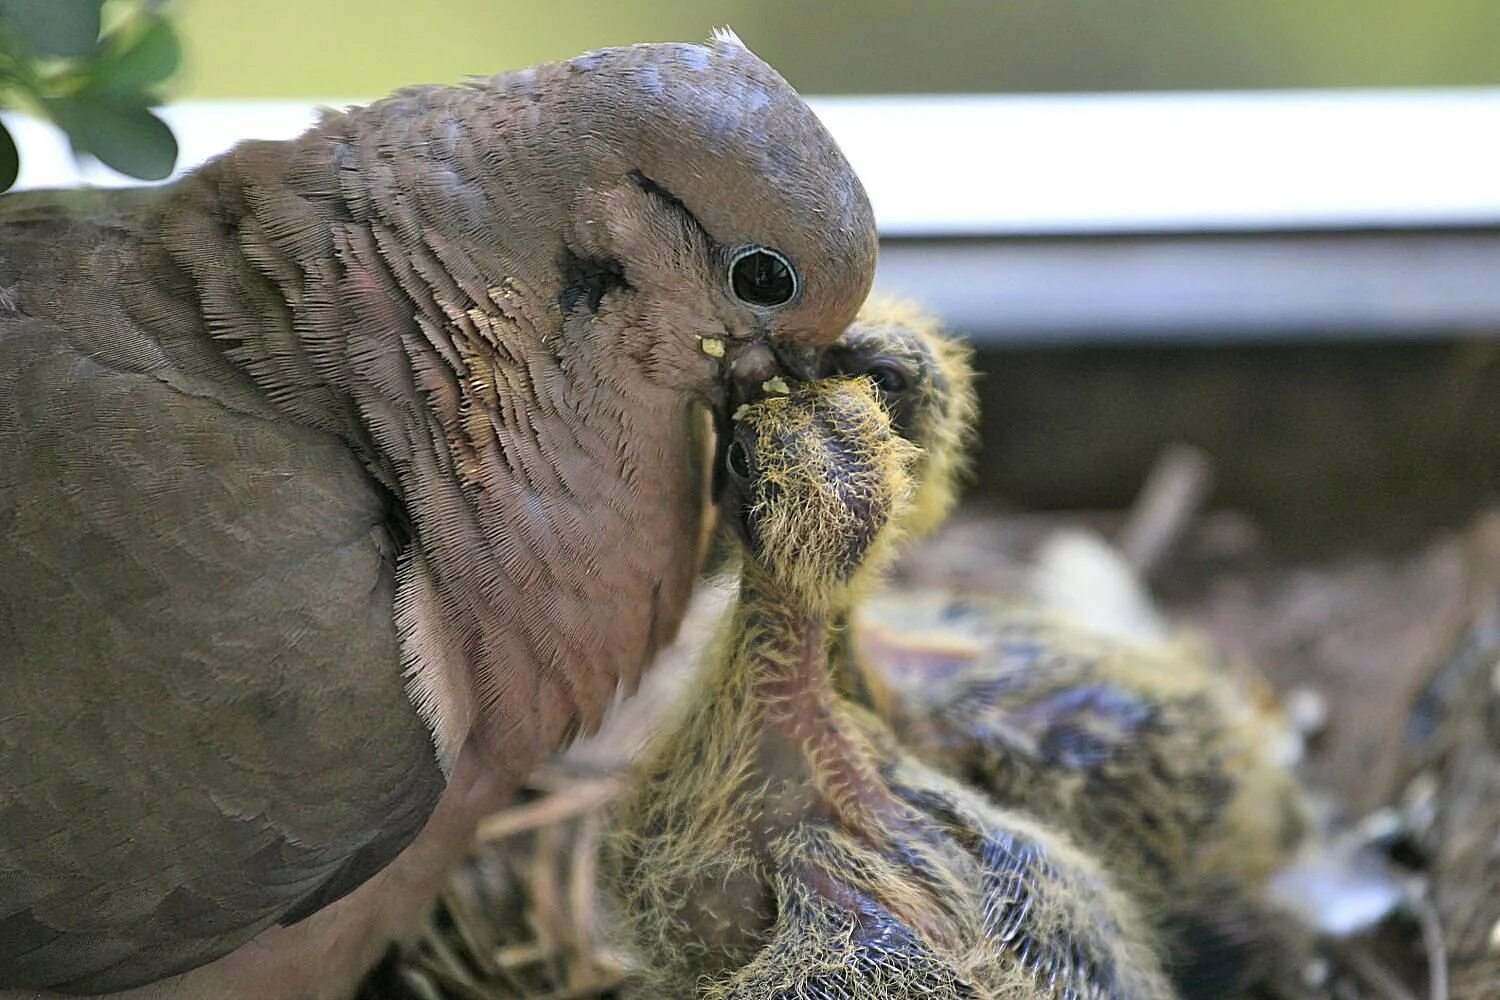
<point>340,449</point>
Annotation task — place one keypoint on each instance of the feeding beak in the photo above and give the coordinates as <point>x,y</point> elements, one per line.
<point>754,369</point>
<point>758,368</point>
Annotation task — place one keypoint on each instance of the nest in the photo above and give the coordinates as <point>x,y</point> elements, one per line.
<point>1352,644</point>
<point>520,919</point>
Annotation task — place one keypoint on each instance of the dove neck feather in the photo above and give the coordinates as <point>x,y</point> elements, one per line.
<point>389,279</point>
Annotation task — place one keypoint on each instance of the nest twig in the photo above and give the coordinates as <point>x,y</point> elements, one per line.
<point>519,920</point>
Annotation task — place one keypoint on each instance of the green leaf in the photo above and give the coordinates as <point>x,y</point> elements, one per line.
<point>10,160</point>
<point>124,136</point>
<point>149,59</point>
<point>55,27</point>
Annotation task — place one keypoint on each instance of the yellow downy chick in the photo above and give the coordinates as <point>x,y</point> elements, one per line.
<point>1161,762</point>
<point>925,380</point>
<point>1454,796</point>
<point>1165,762</point>
<point>778,844</point>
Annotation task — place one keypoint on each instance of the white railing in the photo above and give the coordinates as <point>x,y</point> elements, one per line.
<point>1050,216</point>
<point>992,165</point>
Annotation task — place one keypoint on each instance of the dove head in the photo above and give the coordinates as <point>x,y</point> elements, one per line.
<point>814,479</point>
<point>675,206</point>
<point>716,218</point>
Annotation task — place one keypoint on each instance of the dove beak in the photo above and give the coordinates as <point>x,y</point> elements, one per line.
<point>759,368</point>
<point>754,369</point>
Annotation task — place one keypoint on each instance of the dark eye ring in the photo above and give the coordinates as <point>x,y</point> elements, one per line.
<point>737,460</point>
<point>890,377</point>
<point>762,277</point>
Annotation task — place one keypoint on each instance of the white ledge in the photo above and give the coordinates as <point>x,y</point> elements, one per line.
<point>1054,164</point>
<point>1175,162</point>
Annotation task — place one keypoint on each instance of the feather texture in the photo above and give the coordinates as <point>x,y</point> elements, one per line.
<point>337,462</point>
<point>778,842</point>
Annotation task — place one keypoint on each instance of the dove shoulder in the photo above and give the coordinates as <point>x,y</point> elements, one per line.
<point>189,584</point>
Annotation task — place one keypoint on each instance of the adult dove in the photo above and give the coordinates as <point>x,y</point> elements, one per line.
<point>352,473</point>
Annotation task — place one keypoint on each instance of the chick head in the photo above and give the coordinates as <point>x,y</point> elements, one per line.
<point>814,480</point>
<point>925,379</point>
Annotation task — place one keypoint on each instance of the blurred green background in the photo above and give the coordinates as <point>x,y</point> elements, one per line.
<point>352,48</point>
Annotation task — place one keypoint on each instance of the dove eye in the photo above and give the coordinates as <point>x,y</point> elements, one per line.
<point>763,277</point>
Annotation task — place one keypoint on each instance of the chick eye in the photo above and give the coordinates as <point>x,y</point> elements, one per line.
<point>737,460</point>
<point>890,377</point>
<point>762,277</point>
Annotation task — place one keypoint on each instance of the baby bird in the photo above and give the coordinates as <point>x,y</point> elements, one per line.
<point>1162,763</point>
<point>1455,749</point>
<point>1169,765</point>
<point>777,842</point>
<point>925,381</point>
